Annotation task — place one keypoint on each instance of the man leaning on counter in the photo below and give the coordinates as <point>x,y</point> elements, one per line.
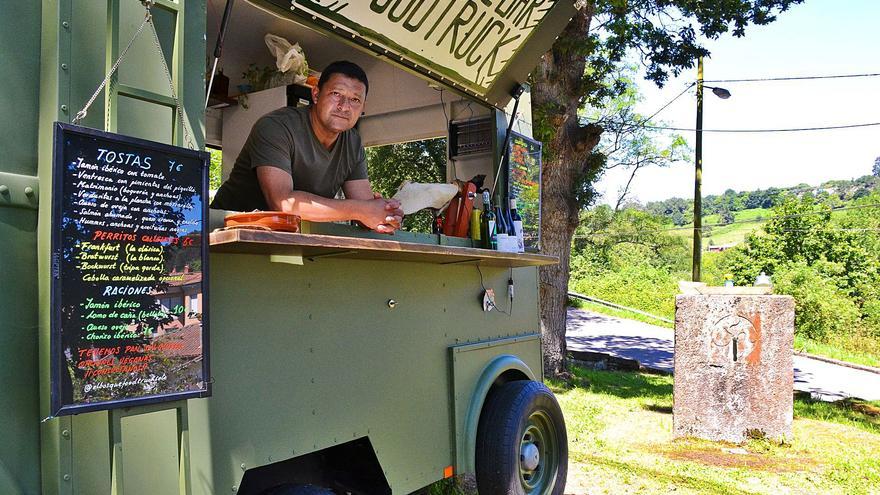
<point>296,159</point>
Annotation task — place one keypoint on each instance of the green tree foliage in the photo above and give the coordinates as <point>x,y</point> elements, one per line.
<point>611,240</point>
<point>628,257</point>
<point>820,307</point>
<point>679,210</point>
<point>416,161</point>
<point>215,169</point>
<point>876,170</point>
<point>726,216</point>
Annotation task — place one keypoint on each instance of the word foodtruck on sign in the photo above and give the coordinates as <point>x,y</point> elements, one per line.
<point>472,38</point>
<point>128,244</point>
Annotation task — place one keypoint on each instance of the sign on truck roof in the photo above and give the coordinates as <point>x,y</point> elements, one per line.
<point>482,47</point>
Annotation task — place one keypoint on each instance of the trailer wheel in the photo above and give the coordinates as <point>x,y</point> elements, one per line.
<point>522,447</point>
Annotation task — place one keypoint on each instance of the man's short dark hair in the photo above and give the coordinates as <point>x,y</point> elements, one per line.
<point>346,68</point>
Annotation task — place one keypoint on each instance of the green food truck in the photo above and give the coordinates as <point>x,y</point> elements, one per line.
<point>147,348</point>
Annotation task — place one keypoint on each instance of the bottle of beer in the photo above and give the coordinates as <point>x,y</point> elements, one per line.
<point>489,227</point>
<point>476,226</point>
<point>517,222</point>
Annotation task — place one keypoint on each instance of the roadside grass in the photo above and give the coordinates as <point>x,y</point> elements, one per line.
<point>859,349</point>
<point>620,442</point>
<point>605,310</point>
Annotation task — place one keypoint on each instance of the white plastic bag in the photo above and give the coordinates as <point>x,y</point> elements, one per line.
<point>289,59</point>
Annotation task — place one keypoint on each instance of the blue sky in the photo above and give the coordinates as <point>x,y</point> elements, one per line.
<point>819,37</point>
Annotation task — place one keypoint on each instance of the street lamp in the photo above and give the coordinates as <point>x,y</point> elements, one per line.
<point>698,175</point>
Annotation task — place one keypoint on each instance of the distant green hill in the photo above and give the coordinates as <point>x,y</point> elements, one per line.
<point>679,211</point>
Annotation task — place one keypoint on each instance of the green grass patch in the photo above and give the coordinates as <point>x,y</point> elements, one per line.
<point>745,222</point>
<point>858,349</point>
<point>618,313</point>
<point>620,441</point>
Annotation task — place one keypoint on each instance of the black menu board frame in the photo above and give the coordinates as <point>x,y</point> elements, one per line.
<point>125,213</point>
<point>524,183</point>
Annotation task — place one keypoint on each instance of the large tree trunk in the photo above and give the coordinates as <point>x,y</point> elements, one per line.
<point>557,94</point>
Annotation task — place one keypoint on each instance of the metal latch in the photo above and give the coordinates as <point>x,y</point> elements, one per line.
<point>19,191</point>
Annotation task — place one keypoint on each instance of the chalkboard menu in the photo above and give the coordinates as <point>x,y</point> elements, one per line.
<point>129,256</point>
<point>525,186</point>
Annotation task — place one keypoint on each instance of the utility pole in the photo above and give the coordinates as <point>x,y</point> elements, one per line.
<point>698,179</point>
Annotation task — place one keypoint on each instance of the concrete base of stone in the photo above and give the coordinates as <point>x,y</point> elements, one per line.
<point>733,367</point>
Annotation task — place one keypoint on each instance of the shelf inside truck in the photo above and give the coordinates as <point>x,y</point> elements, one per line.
<point>316,246</point>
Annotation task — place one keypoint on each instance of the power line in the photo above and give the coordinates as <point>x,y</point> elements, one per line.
<point>797,129</point>
<point>793,78</point>
<point>691,85</point>
<point>631,234</point>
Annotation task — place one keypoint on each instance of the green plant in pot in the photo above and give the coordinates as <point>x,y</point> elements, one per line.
<point>258,77</point>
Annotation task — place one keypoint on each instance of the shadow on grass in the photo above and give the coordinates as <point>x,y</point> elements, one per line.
<point>861,414</point>
<point>701,485</point>
<point>626,385</point>
<point>658,408</point>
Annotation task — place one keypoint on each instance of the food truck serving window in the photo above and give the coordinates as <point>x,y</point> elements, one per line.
<point>483,47</point>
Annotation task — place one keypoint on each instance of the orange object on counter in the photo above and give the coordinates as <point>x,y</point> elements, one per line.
<point>264,220</point>
<point>468,193</point>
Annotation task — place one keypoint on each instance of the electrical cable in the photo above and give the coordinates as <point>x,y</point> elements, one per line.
<point>797,129</point>
<point>793,78</point>
<point>492,303</point>
<point>691,85</point>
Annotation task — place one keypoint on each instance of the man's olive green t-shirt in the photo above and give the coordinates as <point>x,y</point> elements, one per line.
<point>284,139</point>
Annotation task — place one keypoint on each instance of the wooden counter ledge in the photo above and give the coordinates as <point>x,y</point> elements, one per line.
<point>314,247</point>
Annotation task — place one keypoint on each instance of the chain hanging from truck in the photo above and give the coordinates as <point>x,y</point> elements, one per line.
<point>148,19</point>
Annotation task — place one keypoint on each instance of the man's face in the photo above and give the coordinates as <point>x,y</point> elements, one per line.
<point>339,102</point>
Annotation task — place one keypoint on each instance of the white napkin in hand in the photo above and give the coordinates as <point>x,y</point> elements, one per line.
<point>414,196</point>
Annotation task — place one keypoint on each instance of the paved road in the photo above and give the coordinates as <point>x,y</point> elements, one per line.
<point>653,347</point>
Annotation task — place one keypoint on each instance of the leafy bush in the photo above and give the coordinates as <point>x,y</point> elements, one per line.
<point>639,286</point>
<point>821,309</point>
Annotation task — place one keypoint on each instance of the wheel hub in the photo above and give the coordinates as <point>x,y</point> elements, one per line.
<point>530,456</point>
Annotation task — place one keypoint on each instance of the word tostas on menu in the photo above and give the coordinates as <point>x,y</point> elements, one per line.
<point>128,260</point>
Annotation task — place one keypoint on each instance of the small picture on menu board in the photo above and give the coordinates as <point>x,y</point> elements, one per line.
<point>525,186</point>
<point>129,256</point>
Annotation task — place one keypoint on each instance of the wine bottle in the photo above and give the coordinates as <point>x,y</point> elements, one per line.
<point>517,222</point>
<point>489,227</point>
<point>501,226</point>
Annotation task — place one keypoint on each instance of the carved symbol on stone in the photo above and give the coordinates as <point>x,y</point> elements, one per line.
<point>732,338</point>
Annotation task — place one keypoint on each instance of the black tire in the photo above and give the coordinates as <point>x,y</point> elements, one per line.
<point>522,446</point>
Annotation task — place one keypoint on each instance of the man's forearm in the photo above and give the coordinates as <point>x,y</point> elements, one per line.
<point>316,208</point>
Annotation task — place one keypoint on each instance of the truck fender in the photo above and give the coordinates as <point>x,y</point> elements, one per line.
<point>501,369</point>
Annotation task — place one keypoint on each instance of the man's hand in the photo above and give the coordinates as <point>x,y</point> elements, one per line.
<point>382,215</point>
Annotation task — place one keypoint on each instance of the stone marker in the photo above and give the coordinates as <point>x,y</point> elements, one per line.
<point>733,367</point>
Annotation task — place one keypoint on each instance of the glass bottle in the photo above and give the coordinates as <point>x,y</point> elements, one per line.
<point>489,227</point>
<point>517,222</point>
